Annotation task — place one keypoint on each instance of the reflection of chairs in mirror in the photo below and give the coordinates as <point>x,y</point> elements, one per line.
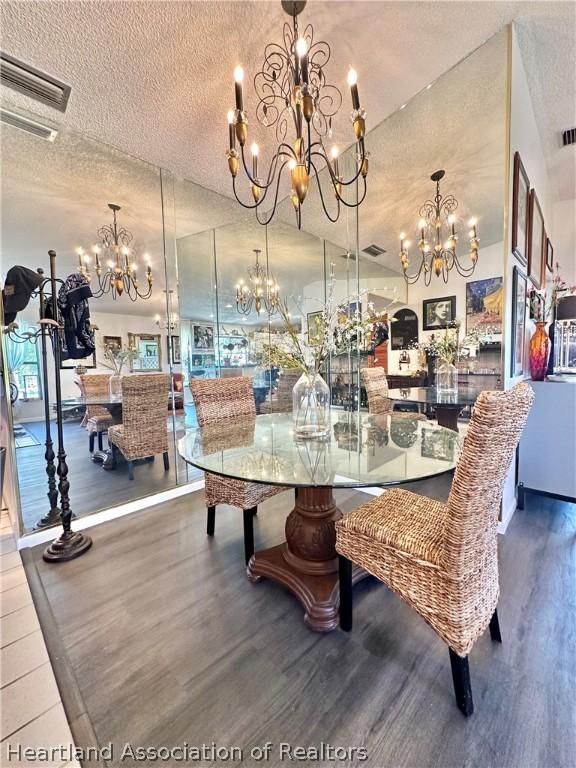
<point>97,418</point>
<point>441,558</point>
<point>144,431</point>
<point>280,400</point>
<point>224,399</point>
<point>376,385</point>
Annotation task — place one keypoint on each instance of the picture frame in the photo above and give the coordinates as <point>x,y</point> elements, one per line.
<point>549,255</point>
<point>149,350</point>
<point>173,346</point>
<point>438,313</point>
<point>519,289</point>
<point>536,242</point>
<point>485,304</point>
<point>315,322</point>
<point>520,211</point>
<point>112,342</point>
<point>404,329</point>
<point>203,337</point>
<point>536,305</point>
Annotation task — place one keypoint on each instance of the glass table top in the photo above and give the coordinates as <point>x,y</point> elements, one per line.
<point>361,450</point>
<point>94,400</point>
<point>431,396</point>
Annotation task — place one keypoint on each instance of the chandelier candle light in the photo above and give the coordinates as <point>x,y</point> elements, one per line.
<point>293,96</point>
<point>439,240</point>
<point>120,275</point>
<point>260,291</point>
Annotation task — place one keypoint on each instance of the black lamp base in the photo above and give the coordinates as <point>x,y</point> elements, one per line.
<point>67,547</point>
<point>52,518</point>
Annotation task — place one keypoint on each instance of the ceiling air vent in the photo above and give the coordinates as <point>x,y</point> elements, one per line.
<point>25,124</point>
<point>33,83</point>
<point>374,250</point>
<point>569,137</point>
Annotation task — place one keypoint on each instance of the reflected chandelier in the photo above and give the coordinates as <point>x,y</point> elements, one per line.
<point>439,240</point>
<point>294,98</point>
<point>120,275</point>
<point>260,291</point>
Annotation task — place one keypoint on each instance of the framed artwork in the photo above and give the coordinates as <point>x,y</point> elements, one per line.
<point>438,313</point>
<point>484,303</point>
<point>112,342</point>
<point>315,328</point>
<point>203,337</point>
<point>197,361</point>
<point>404,329</point>
<point>147,345</point>
<point>519,287</point>
<point>173,344</point>
<point>536,242</point>
<point>536,305</point>
<point>549,255</point>
<point>520,211</point>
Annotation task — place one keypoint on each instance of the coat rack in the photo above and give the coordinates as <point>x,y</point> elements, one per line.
<point>69,544</point>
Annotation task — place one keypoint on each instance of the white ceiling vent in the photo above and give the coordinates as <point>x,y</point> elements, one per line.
<point>25,124</point>
<point>374,250</point>
<point>33,83</point>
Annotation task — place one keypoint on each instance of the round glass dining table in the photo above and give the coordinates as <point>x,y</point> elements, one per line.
<point>361,450</point>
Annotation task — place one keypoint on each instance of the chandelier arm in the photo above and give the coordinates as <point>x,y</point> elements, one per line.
<point>330,218</point>
<point>269,219</point>
<point>323,155</point>
<point>272,168</point>
<point>255,206</point>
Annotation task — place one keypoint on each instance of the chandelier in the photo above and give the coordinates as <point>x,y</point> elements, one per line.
<point>295,100</point>
<point>260,290</point>
<point>439,240</point>
<point>120,274</point>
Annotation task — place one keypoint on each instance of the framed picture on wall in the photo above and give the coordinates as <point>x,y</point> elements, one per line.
<point>520,211</point>
<point>519,287</point>
<point>549,255</point>
<point>315,327</point>
<point>203,337</point>
<point>438,313</point>
<point>484,303</point>
<point>536,305</point>
<point>112,342</point>
<point>536,242</point>
<point>173,344</point>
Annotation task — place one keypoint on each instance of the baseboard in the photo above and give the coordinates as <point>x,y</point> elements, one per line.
<point>507,514</point>
<point>105,515</point>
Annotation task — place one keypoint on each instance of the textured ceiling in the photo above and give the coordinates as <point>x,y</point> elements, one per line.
<point>155,78</point>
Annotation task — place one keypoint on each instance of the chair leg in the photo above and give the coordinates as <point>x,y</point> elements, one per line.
<point>210,521</point>
<point>166,460</point>
<point>114,452</point>
<point>91,438</point>
<point>494,627</point>
<point>345,581</point>
<point>462,686</point>
<point>100,445</point>
<point>130,470</point>
<point>248,534</point>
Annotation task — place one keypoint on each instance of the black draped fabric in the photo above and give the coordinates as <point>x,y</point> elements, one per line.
<point>78,341</point>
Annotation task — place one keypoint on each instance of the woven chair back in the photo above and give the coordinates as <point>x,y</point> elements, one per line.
<point>144,409</point>
<point>95,385</point>
<point>217,399</point>
<point>376,385</point>
<point>498,419</point>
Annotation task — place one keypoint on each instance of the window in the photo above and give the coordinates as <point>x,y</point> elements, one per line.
<point>28,375</point>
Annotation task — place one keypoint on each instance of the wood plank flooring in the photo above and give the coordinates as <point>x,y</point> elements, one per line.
<point>91,487</point>
<point>170,643</point>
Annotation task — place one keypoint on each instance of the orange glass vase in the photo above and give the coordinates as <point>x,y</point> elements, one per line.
<point>539,344</point>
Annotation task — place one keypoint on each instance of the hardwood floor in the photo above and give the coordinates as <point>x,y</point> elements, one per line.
<point>91,487</point>
<point>169,642</point>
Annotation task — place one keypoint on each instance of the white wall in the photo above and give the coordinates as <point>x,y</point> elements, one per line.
<point>564,238</point>
<point>108,325</point>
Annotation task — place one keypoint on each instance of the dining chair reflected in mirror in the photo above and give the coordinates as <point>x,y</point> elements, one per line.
<point>376,385</point>
<point>97,419</point>
<point>280,400</point>
<point>220,400</point>
<point>442,559</point>
<point>144,430</point>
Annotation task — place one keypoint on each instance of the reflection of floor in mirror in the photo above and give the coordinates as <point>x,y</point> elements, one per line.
<point>91,487</point>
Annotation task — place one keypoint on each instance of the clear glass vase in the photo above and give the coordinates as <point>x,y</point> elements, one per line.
<point>311,407</point>
<point>115,384</point>
<point>446,377</point>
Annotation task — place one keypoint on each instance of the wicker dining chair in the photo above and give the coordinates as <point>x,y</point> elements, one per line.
<point>97,419</point>
<point>440,558</point>
<point>376,385</point>
<point>219,400</point>
<point>280,401</point>
<point>144,429</point>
